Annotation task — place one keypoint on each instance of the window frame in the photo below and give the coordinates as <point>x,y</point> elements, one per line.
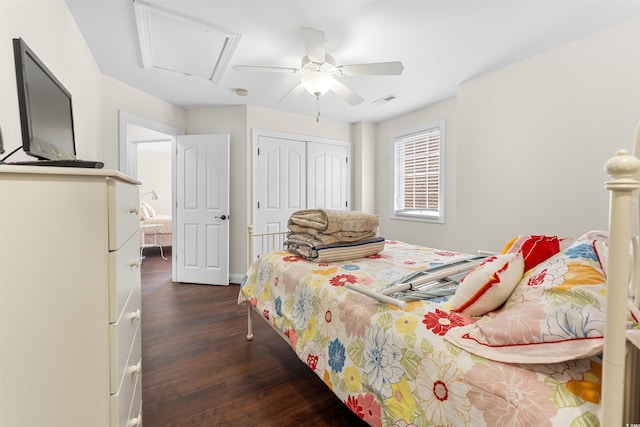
<point>439,217</point>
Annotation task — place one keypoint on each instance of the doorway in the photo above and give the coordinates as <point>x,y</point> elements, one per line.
<point>142,144</point>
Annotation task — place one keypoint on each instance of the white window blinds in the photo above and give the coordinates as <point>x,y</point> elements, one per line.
<point>417,176</point>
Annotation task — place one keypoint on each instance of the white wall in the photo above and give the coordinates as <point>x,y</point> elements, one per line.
<point>262,118</point>
<point>531,142</point>
<point>533,139</point>
<point>154,171</point>
<point>118,96</point>
<point>363,173</point>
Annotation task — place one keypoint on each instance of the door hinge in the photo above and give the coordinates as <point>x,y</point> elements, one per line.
<point>346,160</point>
<point>258,151</point>
<point>258,205</point>
<point>346,204</point>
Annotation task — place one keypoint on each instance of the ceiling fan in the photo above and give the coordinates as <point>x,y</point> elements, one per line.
<point>318,70</point>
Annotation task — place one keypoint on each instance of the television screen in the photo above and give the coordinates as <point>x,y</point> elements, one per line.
<point>46,116</point>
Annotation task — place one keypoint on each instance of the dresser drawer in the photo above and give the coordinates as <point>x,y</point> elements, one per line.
<point>124,275</point>
<point>135,416</point>
<point>124,217</point>
<point>121,403</point>
<point>121,336</point>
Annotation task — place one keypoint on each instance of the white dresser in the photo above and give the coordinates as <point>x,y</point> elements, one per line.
<point>70,352</point>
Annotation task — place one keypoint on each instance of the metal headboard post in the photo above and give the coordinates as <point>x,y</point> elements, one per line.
<point>623,169</point>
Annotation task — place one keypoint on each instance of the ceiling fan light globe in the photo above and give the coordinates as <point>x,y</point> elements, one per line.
<point>317,83</point>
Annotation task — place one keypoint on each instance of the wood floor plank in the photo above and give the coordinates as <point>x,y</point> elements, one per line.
<point>200,370</point>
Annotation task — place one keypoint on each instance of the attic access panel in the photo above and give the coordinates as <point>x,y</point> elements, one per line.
<point>182,46</point>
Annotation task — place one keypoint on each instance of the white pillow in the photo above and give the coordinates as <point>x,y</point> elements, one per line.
<point>150,211</point>
<point>487,286</point>
<point>144,213</point>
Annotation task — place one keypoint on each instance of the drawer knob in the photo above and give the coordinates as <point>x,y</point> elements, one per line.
<point>134,210</point>
<point>135,263</point>
<point>135,369</point>
<point>135,422</point>
<point>135,315</point>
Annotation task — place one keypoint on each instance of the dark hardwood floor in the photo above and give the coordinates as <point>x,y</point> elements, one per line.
<point>200,370</point>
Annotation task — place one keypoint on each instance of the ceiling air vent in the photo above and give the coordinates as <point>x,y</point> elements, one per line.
<point>182,46</point>
<point>385,99</point>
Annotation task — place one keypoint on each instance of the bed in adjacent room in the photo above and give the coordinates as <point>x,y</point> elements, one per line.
<point>156,228</point>
<point>518,341</point>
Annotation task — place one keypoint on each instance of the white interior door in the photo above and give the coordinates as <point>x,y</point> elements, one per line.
<point>202,212</point>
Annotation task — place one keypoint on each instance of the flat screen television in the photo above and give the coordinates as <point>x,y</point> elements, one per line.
<point>46,115</point>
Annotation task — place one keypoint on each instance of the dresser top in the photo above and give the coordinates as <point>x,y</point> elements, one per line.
<point>53,170</point>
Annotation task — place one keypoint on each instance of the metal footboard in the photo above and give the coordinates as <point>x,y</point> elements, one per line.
<point>258,244</point>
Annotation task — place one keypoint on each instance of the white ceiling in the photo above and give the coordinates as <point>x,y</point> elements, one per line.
<point>440,42</point>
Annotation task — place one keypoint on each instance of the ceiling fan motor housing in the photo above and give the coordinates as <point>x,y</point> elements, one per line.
<point>317,77</point>
<point>328,66</point>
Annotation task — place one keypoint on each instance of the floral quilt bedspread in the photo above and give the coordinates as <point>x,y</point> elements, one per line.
<point>392,367</point>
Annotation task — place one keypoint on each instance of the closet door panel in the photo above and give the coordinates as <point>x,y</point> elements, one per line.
<point>328,176</point>
<point>281,182</point>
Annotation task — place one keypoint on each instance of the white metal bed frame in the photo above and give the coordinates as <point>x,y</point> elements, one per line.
<point>267,242</point>
<point>623,169</point>
<point>621,360</point>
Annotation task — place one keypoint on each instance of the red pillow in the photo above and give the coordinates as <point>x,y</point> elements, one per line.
<point>535,249</point>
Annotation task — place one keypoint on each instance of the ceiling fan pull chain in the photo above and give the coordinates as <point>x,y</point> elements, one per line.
<point>317,109</point>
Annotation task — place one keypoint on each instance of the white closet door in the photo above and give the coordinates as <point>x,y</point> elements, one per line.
<point>328,176</point>
<point>292,174</point>
<point>280,182</point>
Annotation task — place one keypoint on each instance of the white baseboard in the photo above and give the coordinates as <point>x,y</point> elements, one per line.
<point>235,278</point>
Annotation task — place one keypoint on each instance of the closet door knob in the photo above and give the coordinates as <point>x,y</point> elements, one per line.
<point>222,217</point>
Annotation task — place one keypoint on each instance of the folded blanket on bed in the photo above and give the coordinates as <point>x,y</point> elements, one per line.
<point>327,239</point>
<point>314,250</point>
<point>328,221</point>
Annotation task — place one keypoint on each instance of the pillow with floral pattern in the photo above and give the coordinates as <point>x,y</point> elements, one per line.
<point>556,313</point>
<point>536,248</point>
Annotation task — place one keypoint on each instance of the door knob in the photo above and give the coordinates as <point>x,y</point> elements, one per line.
<point>222,217</point>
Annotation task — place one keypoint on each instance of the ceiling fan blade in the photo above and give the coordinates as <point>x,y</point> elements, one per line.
<point>372,69</point>
<point>294,92</point>
<point>345,93</point>
<point>264,68</point>
<point>315,43</point>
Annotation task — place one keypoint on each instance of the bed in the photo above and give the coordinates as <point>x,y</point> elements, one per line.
<point>156,228</point>
<point>542,351</point>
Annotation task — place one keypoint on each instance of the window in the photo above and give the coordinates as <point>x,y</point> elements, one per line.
<point>418,174</point>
